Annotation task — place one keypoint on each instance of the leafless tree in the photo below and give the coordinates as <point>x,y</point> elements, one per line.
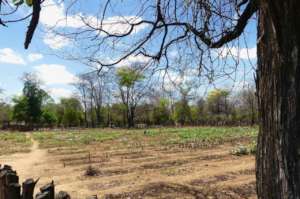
<point>247,102</point>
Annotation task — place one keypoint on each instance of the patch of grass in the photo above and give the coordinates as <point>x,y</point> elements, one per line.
<point>13,142</point>
<point>208,135</point>
<point>72,138</point>
<point>138,138</point>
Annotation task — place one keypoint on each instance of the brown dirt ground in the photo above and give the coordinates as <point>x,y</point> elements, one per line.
<point>147,172</point>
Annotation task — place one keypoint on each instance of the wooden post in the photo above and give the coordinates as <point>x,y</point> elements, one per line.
<point>49,188</point>
<point>13,191</point>
<point>45,195</point>
<point>63,195</point>
<point>2,183</point>
<point>28,188</point>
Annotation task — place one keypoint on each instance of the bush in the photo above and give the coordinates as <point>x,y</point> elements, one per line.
<point>91,171</point>
<point>245,150</point>
<point>240,150</point>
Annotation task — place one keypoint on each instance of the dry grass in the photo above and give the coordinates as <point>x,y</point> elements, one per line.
<point>13,142</point>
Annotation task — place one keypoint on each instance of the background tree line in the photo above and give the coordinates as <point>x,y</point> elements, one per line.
<point>126,99</point>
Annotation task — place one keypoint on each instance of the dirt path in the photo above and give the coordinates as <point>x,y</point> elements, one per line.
<point>27,164</point>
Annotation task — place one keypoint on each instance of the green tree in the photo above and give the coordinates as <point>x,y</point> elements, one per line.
<point>71,112</point>
<point>182,112</point>
<point>49,116</point>
<point>118,114</point>
<point>161,112</point>
<point>217,101</point>
<point>20,108</point>
<point>5,112</point>
<point>130,90</point>
<point>34,98</point>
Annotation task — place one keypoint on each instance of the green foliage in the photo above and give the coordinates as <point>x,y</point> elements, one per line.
<point>73,138</point>
<point>217,101</point>
<point>202,136</point>
<point>245,150</point>
<point>252,147</point>
<point>20,108</point>
<point>161,113</point>
<point>28,107</point>
<point>216,133</point>
<point>35,97</point>
<point>71,112</point>
<point>29,2</point>
<point>49,118</point>
<point>240,150</point>
<point>20,2</point>
<point>5,112</point>
<point>118,114</point>
<point>128,76</point>
<point>182,112</point>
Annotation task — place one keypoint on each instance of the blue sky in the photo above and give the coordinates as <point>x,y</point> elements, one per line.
<point>57,74</point>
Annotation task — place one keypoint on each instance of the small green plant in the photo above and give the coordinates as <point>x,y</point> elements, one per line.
<point>245,150</point>
<point>240,150</point>
<point>253,148</point>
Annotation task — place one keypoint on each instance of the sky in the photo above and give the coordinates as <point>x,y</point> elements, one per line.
<point>56,73</point>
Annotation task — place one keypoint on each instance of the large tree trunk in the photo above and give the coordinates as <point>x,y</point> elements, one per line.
<point>278,83</point>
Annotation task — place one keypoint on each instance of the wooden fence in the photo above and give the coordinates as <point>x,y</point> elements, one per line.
<point>11,189</point>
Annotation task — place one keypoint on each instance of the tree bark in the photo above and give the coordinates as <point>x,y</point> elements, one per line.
<point>278,84</point>
<point>131,116</point>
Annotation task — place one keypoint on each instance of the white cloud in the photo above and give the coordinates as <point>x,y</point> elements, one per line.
<point>58,93</point>
<point>55,74</point>
<point>120,25</point>
<point>53,14</point>
<point>35,57</point>
<point>9,56</point>
<point>139,59</point>
<point>242,53</point>
<point>55,41</point>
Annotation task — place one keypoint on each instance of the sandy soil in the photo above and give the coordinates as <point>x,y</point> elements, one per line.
<point>147,172</point>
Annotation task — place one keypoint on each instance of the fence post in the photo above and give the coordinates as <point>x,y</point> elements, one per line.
<point>2,182</point>
<point>47,191</point>
<point>45,195</point>
<point>62,195</point>
<point>9,183</point>
<point>28,188</point>
<point>13,191</point>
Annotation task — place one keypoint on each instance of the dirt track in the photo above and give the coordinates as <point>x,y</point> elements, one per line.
<point>147,172</point>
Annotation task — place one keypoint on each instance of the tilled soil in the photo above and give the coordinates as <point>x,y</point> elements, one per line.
<point>148,172</point>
